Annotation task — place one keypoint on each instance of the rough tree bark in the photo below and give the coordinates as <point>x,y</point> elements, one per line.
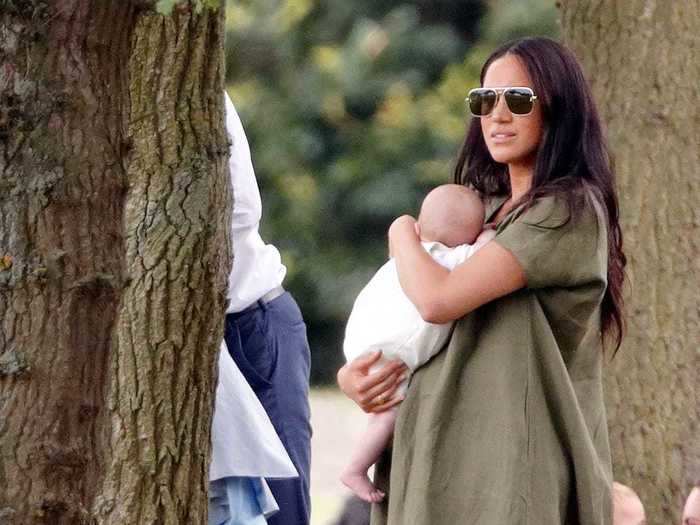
<point>641,57</point>
<point>114,253</point>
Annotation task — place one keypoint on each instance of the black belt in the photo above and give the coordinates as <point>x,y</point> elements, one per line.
<point>260,303</point>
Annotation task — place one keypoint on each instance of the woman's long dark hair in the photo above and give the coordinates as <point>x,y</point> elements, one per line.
<point>572,155</point>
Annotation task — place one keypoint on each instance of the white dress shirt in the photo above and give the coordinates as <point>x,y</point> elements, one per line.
<point>257,267</point>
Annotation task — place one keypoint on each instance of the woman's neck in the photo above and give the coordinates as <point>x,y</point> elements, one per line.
<point>520,180</point>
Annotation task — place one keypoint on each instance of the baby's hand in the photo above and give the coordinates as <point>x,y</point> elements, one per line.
<point>416,227</point>
<point>401,227</point>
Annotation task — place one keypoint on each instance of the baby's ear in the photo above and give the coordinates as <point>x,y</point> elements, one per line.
<point>416,226</point>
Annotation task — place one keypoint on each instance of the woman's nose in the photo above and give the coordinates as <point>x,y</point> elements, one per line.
<point>501,113</point>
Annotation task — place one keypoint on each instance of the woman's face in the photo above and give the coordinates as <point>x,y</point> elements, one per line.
<point>511,139</point>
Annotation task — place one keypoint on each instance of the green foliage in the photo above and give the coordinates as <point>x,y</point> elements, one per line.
<point>353,111</point>
<point>510,19</point>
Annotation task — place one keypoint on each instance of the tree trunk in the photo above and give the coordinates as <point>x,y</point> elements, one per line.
<point>642,60</point>
<point>114,254</point>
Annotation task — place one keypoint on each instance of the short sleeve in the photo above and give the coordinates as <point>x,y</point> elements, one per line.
<point>554,247</point>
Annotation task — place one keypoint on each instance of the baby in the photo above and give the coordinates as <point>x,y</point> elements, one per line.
<point>627,507</point>
<point>450,225</point>
<point>691,511</point>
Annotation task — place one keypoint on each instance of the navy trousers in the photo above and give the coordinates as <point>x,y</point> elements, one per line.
<point>268,343</point>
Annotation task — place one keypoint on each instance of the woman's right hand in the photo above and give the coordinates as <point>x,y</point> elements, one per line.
<point>376,391</point>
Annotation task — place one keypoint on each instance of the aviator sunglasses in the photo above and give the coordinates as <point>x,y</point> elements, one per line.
<point>520,100</point>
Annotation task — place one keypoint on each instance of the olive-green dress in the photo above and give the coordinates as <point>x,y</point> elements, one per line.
<point>507,425</point>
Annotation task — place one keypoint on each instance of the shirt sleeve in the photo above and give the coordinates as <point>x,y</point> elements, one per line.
<point>247,209</point>
<point>554,247</point>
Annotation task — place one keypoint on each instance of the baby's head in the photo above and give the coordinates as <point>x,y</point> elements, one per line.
<point>627,507</point>
<point>452,215</point>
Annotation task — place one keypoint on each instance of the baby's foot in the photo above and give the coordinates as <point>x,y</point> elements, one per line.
<point>363,488</point>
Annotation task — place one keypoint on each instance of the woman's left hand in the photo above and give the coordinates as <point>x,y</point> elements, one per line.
<point>372,391</point>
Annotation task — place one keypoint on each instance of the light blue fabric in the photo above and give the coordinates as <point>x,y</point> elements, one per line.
<point>240,501</point>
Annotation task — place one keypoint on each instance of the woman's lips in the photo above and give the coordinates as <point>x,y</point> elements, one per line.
<point>500,137</point>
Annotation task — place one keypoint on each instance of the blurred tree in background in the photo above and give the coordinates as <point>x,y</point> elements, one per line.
<point>353,111</point>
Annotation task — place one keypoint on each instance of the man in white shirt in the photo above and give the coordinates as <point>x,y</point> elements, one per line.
<point>265,333</point>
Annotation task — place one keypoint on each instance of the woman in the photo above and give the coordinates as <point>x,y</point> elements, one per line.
<point>507,424</point>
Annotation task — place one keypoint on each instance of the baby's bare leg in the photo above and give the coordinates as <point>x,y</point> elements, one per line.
<point>380,428</point>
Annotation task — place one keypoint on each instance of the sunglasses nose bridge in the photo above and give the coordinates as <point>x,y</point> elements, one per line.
<point>500,110</point>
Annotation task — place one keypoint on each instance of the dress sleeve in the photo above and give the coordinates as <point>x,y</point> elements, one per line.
<point>555,248</point>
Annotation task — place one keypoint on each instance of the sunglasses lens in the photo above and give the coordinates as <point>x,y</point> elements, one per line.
<point>519,100</point>
<point>481,102</point>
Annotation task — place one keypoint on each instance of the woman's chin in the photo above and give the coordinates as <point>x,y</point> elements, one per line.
<point>503,156</point>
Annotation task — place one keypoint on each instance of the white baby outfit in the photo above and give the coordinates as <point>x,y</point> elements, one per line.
<point>383,318</point>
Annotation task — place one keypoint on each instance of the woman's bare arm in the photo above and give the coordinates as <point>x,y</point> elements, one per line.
<point>441,295</point>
